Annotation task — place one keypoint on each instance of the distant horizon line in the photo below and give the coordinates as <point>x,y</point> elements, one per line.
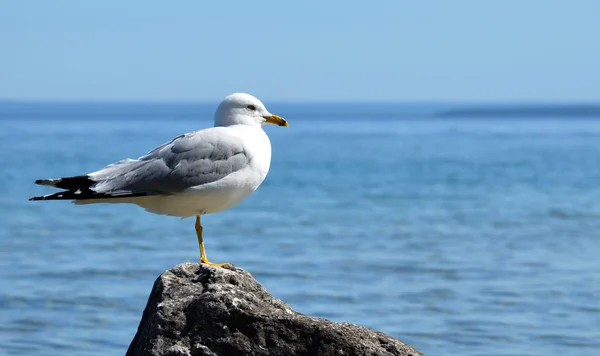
<point>19,108</point>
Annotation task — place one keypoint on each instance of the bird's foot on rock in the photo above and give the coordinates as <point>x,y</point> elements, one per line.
<point>207,262</point>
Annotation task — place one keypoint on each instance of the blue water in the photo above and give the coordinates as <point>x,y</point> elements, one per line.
<point>460,236</point>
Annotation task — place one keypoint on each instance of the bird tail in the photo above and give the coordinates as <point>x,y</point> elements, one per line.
<point>77,182</point>
<point>79,188</point>
<point>64,195</point>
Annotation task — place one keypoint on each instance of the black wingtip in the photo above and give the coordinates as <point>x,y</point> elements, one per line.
<point>36,198</point>
<point>38,181</point>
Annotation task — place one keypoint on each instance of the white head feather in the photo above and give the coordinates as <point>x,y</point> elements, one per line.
<point>244,109</point>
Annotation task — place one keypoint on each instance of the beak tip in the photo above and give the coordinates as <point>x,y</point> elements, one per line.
<point>277,120</point>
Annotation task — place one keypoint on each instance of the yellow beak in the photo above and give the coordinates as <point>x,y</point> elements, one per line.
<point>277,120</point>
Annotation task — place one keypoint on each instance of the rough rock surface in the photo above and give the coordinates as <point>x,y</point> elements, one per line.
<point>199,310</point>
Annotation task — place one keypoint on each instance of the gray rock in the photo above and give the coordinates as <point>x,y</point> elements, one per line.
<point>199,310</point>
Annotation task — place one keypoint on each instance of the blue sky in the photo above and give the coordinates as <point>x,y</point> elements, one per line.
<point>459,50</point>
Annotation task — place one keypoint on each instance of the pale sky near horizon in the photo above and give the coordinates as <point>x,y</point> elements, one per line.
<point>463,50</point>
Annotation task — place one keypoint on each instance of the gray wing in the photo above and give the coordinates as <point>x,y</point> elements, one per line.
<point>189,160</point>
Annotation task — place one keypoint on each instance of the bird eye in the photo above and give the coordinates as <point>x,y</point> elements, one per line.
<point>252,107</point>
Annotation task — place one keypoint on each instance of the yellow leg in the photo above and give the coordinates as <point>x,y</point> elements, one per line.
<point>203,258</point>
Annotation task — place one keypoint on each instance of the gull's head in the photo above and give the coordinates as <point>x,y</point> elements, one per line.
<point>244,109</point>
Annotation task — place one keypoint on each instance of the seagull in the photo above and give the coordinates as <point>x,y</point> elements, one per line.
<point>197,173</point>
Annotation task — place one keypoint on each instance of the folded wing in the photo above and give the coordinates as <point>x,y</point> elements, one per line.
<point>189,160</point>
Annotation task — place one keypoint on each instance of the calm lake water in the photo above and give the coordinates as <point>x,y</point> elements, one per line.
<point>459,236</point>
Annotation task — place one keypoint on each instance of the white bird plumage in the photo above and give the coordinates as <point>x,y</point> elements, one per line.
<point>197,173</point>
